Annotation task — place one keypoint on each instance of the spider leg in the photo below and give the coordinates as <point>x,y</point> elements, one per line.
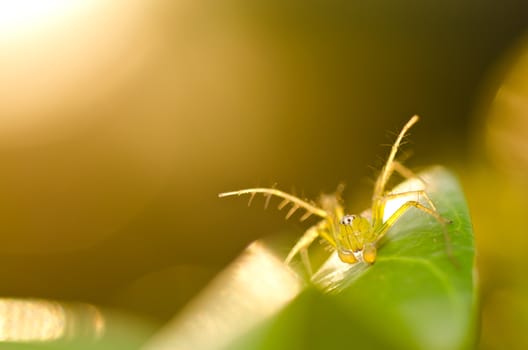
<point>422,193</point>
<point>388,169</point>
<point>287,198</point>
<point>409,174</point>
<point>306,261</point>
<point>386,172</point>
<point>382,230</point>
<point>406,172</point>
<point>318,230</point>
<point>301,247</point>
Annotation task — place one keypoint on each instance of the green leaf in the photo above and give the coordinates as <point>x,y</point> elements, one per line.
<point>415,296</point>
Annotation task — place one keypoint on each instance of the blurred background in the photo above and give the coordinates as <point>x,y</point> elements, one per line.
<point>121,121</point>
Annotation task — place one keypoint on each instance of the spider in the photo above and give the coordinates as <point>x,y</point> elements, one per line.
<point>354,237</point>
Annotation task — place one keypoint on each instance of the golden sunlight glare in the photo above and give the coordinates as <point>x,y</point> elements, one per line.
<point>57,57</point>
<point>39,320</point>
<point>18,17</point>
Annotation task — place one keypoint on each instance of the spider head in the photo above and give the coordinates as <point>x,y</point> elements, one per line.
<point>354,239</point>
<point>357,226</point>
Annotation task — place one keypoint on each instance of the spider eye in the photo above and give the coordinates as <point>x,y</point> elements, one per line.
<point>347,219</point>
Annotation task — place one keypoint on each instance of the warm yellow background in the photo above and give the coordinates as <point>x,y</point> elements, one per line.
<point>120,121</point>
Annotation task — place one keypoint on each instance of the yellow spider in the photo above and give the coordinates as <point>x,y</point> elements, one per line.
<point>354,237</point>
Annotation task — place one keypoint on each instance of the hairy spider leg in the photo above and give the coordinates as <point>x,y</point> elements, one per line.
<point>318,230</point>
<point>407,173</point>
<point>325,228</point>
<point>302,247</point>
<point>288,198</point>
<point>382,230</point>
<point>419,193</point>
<point>386,172</point>
<point>309,236</point>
